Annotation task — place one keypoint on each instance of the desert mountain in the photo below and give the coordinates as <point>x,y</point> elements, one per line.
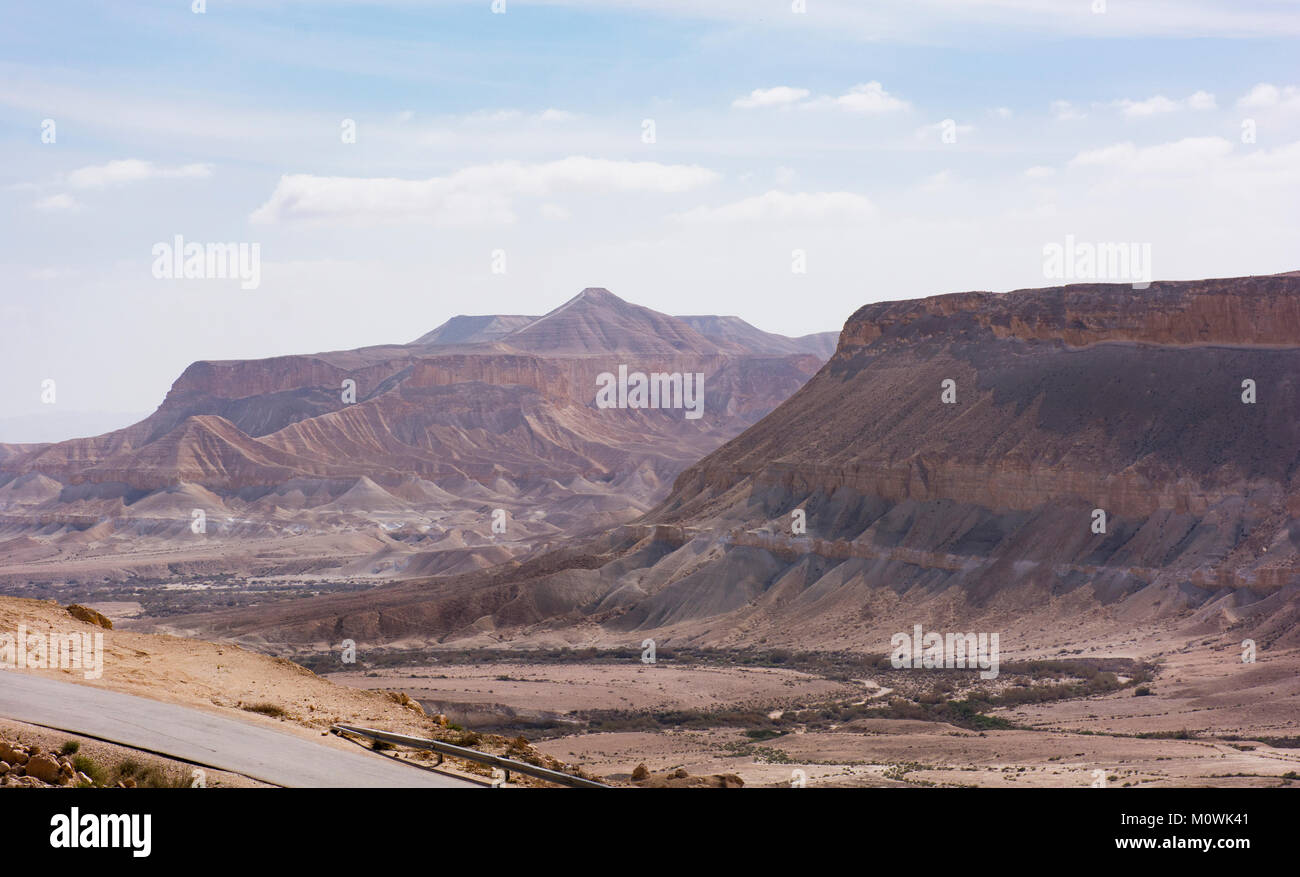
<point>735,333</point>
<point>413,446</point>
<point>631,327</point>
<point>597,321</point>
<point>1043,463</point>
<point>472,330</point>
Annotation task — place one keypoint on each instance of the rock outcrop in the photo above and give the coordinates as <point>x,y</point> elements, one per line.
<point>90,616</point>
<point>31,767</point>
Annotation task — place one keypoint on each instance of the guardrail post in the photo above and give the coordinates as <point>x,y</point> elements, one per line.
<point>439,748</point>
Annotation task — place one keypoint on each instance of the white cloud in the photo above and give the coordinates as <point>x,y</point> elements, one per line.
<point>937,182</point>
<point>61,203</point>
<point>787,207</point>
<point>52,274</point>
<point>1039,172</point>
<point>554,212</point>
<point>1188,154</point>
<point>1152,106</point>
<point>1149,107</point>
<point>1267,169</point>
<point>132,170</point>
<point>779,96</point>
<point>924,132</point>
<point>868,97</point>
<point>550,114</point>
<point>1265,96</point>
<point>1002,112</point>
<point>476,195</point>
<point>1064,111</point>
<point>1208,172</point>
<point>504,115</point>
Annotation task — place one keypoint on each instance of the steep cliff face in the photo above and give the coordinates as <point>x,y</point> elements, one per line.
<point>1253,311</point>
<point>262,396</point>
<point>955,461</point>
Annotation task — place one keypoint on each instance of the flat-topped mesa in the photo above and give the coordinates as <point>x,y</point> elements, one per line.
<point>467,329</point>
<point>1186,424</point>
<point>1248,311</point>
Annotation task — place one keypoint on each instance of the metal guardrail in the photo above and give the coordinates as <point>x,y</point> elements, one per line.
<point>506,764</point>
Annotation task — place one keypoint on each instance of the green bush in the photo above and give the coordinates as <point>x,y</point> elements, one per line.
<point>85,765</point>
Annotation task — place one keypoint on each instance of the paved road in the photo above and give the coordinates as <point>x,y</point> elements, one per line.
<point>203,737</point>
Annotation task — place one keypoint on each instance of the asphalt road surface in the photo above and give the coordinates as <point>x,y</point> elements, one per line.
<point>204,738</point>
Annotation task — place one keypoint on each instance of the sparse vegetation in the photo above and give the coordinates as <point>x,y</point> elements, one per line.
<point>900,771</point>
<point>130,772</point>
<point>146,776</point>
<point>91,769</point>
<point>1275,742</point>
<point>1183,734</point>
<point>266,708</point>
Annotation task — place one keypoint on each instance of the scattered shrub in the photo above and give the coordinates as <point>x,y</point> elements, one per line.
<point>267,709</point>
<point>91,769</point>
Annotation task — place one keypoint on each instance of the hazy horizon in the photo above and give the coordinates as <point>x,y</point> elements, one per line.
<point>901,150</point>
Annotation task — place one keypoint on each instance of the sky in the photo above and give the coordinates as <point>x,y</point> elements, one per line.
<point>397,163</point>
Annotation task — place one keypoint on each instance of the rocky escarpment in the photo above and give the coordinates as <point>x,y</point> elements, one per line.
<point>1134,414</point>
<point>1051,453</point>
<point>1061,402</point>
<point>1253,311</point>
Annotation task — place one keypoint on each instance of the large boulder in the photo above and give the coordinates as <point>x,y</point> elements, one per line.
<point>47,769</point>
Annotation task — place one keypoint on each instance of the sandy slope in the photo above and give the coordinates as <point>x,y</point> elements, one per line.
<point>212,676</point>
<point>224,679</point>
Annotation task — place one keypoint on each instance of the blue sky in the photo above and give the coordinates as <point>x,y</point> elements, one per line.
<point>522,133</point>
